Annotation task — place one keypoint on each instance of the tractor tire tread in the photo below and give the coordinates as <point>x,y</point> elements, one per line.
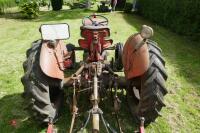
<point>152,89</point>
<point>37,86</point>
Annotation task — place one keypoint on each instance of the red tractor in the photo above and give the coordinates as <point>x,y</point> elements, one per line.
<point>48,59</point>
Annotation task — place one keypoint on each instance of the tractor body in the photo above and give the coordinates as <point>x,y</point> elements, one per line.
<point>95,41</point>
<point>140,59</point>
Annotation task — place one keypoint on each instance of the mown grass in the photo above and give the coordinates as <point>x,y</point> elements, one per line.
<point>182,113</point>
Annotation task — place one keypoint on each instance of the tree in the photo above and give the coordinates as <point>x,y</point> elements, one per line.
<point>56,4</point>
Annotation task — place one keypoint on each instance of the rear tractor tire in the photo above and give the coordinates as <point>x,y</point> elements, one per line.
<point>43,93</point>
<point>118,65</point>
<point>71,48</point>
<point>145,93</point>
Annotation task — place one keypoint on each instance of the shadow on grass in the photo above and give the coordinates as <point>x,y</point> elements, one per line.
<point>14,108</point>
<point>14,15</point>
<point>62,15</point>
<point>45,16</point>
<point>14,117</point>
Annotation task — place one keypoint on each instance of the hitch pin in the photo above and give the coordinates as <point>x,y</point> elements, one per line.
<point>142,125</point>
<point>50,126</point>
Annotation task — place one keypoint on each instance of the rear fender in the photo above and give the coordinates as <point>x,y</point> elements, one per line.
<point>135,63</point>
<point>51,59</point>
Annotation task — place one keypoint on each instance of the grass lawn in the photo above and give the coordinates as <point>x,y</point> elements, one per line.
<point>182,113</point>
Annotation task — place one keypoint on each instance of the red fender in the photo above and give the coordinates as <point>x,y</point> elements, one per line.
<point>135,63</point>
<point>51,59</point>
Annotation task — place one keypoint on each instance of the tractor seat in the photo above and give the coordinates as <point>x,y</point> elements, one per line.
<point>92,27</point>
<point>94,23</point>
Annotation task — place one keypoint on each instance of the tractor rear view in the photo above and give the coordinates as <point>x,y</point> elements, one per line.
<point>49,58</point>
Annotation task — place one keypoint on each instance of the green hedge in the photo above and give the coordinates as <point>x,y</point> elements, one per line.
<point>6,4</point>
<point>181,16</point>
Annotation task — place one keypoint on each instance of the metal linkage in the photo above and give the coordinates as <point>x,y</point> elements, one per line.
<point>74,107</point>
<point>97,114</point>
<point>107,125</point>
<point>117,103</point>
<point>109,129</point>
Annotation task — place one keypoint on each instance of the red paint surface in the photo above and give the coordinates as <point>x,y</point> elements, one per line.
<point>50,128</point>
<point>142,130</point>
<point>95,41</point>
<point>13,123</point>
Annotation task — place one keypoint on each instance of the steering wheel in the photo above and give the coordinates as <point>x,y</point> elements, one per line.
<point>104,21</point>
